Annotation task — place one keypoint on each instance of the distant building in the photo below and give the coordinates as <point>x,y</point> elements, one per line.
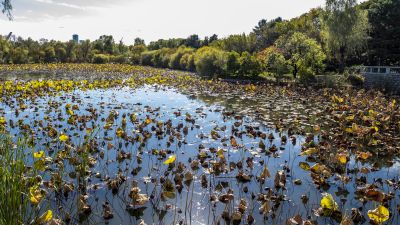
<point>75,38</point>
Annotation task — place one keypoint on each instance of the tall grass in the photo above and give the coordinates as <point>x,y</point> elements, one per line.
<point>13,190</point>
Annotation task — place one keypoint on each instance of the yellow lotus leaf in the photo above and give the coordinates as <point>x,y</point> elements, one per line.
<point>148,121</point>
<point>35,195</point>
<point>342,158</point>
<point>363,155</point>
<point>46,217</point>
<point>309,151</point>
<point>328,203</point>
<point>63,138</point>
<point>170,160</point>
<point>304,166</point>
<point>379,215</point>
<point>38,155</point>
<point>70,112</point>
<point>220,153</point>
<point>350,118</point>
<point>3,120</point>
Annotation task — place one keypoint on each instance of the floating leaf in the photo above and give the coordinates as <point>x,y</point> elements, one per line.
<point>46,217</point>
<point>170,160</point>
<point>35,195</point>
<point>328,203</point>
<point>309,151</point>
<point>220,153</point>
<point>304,166</point>
<point>265,173</point>
<point>342,158</point>
<point>38,155</point>
<point>379,215</point>
<point>63,138</point>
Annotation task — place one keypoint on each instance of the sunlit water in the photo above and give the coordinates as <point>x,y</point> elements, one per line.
<point>192,205</point>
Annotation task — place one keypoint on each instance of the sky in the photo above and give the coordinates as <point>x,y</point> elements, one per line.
<point>147,19</point>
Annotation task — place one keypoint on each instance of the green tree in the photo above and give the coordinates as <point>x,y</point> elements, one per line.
<point>6,8</point>
<point>345,28</point>
<point>238,43</point>
<point>275,62</point>
<point>175,61</point>
<point>249,65</point>
<point>4,49</point>
<point>384,44</point>
<point>139,41</point>
<point>209,61</point>
<point>232,63</point>
<point>304,54</point>
<point>50,54</point>
<point>267,32</point>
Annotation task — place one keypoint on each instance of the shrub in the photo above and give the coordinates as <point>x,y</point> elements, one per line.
<point>355,79</point>
<point>119,59</point>
<point>162,57</point>
<point>187,62</point>
<point>232,63</point>
<point>209,61</point>
<point>101,58</point>
<point>274,62</point>
<point>146,58</point>
<point>175,59</point>
<point>249,65</point>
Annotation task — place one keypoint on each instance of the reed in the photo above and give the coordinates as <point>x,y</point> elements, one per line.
<point>13,190</point>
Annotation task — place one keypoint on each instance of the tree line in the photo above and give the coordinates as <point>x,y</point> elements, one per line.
<point>328,39</point>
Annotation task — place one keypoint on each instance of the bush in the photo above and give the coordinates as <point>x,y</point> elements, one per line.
<point>146,58</point>
<point>274,62</point>
<point>101,58</point>
<point>187,62</point>
<point>249,65</point>
<point>122,59</point>
<point>355,79</point>
<point>232,63</point>
<point>175,59</point>
<point>209,61</point>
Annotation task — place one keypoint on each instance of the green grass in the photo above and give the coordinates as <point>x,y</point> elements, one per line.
<point>13,190</point>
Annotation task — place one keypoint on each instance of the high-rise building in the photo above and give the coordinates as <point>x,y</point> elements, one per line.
<point>75,38</point>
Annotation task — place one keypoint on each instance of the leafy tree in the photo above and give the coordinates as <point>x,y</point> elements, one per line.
<point>384,41</point>
<point>136,52</point>
<point>6,8</point>
<point>238,43</point>
<point>193,41</point>
<point>4,49</point>
<point>50,54</point>
<point>213,38</point>
<point>304,54</point>
<point>249,65</point>
<point>209,61</point>
<point>175,60</point>
<point>345,28</point>
<point>267,32</point>
<point>105,44</point>
<point>19,55</point>
<point>275,62</point>
<point>232,63</point>
<point>139,41</point>
<point>187,62</point>
<point>84,51</point>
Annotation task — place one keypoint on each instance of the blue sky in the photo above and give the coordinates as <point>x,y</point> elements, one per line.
<point>148,19</point>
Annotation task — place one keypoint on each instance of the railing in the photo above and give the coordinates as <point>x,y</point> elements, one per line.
<point>380,70</point>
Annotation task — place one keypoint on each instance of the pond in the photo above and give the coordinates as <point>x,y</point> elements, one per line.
<point>160,155</point>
